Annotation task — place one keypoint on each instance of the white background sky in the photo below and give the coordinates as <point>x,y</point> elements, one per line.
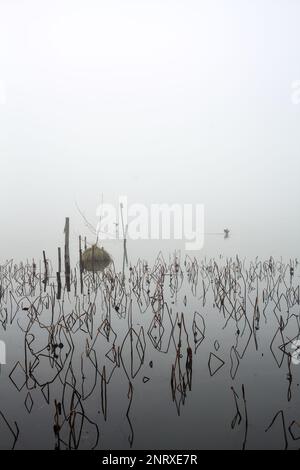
<point>164,101</point>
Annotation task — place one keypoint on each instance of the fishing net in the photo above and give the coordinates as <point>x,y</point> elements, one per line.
<point>95,259</point>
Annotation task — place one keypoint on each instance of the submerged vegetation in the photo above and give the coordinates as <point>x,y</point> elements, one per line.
<point>85,342</point>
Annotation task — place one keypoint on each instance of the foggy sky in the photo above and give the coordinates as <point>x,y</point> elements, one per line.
<point>163,101</point>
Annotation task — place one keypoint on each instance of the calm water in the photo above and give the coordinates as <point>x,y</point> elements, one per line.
<point>179,352</point>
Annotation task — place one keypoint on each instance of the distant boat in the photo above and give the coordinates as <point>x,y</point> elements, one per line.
<point>226,232</point>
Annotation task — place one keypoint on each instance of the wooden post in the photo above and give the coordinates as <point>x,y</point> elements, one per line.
<point>59,260</point>
<point>45,281</point>
<point>93,249</point>
<point>80,265</point>
<point>125,257</point>
<point>58,296</point>
<point>67,254</point>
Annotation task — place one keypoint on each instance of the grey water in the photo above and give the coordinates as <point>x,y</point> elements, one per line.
<point>179,352</point>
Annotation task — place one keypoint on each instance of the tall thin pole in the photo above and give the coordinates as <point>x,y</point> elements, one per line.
<point>67,254</point>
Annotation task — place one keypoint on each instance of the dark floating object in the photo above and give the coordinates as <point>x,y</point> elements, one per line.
<point>145,380</point>
<point>226,233</point>
<point>95,259</point>
<point>151,364</point>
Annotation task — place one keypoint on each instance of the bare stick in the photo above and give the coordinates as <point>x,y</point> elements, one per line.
<point>67,254</point>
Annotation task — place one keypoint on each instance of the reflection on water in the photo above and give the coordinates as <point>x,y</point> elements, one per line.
<point>181,353</point>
